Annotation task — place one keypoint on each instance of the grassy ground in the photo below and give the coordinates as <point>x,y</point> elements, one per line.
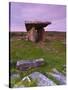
<point>53,53</point>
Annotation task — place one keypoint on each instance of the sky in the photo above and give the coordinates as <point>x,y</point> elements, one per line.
<point>21,12</point>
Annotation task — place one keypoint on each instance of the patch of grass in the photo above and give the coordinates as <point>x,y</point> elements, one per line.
<point>53,53</point>
<point>25,83</point>
<point>55,56</point>
<point>14,81</point>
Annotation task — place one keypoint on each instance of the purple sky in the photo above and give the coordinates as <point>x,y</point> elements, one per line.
<point>21,12</point>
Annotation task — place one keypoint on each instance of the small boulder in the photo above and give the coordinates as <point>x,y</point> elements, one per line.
<point>26,64</point>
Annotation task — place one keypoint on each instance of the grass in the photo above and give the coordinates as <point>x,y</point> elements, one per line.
<point>14,81</point>
<point>53,52</point>
<point>25,83</point>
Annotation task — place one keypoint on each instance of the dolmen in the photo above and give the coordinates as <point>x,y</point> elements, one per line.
<point>27,64</point>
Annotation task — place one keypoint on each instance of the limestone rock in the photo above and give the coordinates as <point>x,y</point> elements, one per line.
<point>26,64</point>
<point>58,76</point>
<point>42,80</point>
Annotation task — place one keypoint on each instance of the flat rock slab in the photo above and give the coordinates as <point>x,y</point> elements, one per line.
<point>42,80</point>
<point>26,64</point>
<point>58,76</point>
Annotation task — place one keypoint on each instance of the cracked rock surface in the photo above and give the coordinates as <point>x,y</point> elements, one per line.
<point>42,80</point>
<point>58,76</point>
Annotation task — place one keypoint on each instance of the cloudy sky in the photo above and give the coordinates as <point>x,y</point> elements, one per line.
<point>21,12</point>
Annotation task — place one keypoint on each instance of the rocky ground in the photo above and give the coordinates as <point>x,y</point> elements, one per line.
<point>37,78</point>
